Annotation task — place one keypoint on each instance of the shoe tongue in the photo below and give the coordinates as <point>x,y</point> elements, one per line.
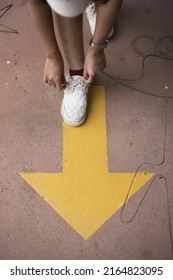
<point>76,78</point>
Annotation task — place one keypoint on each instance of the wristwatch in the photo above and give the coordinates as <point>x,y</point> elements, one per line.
<point>99,46</point>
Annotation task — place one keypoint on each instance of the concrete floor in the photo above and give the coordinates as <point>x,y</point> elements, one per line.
<point>139,117</point>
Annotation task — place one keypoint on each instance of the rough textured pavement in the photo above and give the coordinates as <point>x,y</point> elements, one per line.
<point>139,113</point>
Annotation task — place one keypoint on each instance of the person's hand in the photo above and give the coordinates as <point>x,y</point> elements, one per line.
<point>95,62</point>
<point>54,72</point>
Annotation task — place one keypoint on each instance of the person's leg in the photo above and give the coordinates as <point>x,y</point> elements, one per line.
<point>91,13</point>
<point>74,104</point>
<point>71,35</point>
<point>107,15</point>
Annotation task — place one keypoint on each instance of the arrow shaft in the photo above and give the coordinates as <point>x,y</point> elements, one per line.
<point>86,147</point>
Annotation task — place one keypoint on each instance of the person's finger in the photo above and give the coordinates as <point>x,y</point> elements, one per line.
<point>89,79</point>
<point>51,83</point>
<point>45,80</point>
<point>85,74</point>
<point>59,86</point>
<point>62,84</point>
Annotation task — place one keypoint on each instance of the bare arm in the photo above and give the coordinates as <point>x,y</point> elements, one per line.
<point>95,59</point>
<point>41,16</point>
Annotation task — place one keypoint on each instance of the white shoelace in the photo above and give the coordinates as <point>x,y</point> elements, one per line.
<point>77,84</point>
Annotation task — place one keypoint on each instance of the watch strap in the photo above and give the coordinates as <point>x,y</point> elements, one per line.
<point>99,46</point>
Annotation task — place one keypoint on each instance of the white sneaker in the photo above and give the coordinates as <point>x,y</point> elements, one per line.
<point>91,12</point>
<point>74,104</point>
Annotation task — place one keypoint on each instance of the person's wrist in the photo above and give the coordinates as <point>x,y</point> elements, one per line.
<point>95,50</point>
<point>98,44</point>
<point>53,54</point>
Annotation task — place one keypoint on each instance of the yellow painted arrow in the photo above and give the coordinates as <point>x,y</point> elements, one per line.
<point>86,195</point>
